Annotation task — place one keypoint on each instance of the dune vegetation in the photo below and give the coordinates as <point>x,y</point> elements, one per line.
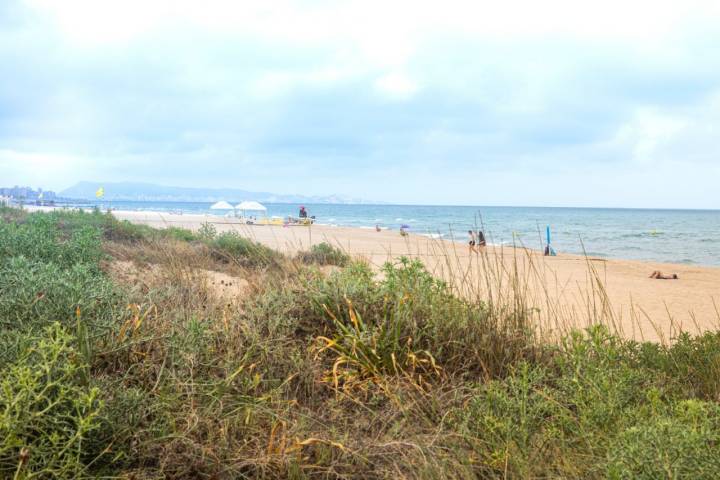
<point>130,352</point>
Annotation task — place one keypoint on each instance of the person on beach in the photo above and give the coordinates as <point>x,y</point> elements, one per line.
<point>377,227</point>
<point>471,241</point>
<point>658,275</point>
<point>481,239</point>
<point>303,212</point>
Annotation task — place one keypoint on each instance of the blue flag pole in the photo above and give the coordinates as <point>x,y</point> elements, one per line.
<point>549,249</point>
<point>548,234</point>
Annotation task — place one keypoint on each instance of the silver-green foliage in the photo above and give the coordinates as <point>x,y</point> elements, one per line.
<point>46,412</point>
<point>35,293</point>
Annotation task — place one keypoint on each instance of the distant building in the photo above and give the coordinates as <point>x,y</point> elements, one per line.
<point>27,194</point>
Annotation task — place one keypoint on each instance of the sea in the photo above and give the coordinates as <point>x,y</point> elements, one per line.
<point>673,236</point>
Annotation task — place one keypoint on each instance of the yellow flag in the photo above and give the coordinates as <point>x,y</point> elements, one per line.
<point>100,192</point>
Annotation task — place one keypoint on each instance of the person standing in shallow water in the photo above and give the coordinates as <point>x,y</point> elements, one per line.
<point>471,241</point>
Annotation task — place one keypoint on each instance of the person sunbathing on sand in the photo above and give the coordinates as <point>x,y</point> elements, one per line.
<point>657,274</point>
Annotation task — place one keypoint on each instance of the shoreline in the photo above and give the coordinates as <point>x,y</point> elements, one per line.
<point>567,289</point>
<point>169,218</point>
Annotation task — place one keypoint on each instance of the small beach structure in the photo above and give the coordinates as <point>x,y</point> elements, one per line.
<point>249,206</point>
<point>221,205</point>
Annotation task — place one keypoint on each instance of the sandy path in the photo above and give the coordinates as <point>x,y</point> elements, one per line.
<point>562,288</point>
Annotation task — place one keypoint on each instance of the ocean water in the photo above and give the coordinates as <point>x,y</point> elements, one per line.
<point>674,236</point>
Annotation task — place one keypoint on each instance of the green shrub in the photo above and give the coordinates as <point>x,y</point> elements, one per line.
<point>354,284</point>
<point>207,232</point>
<point>411,307</point>
<point>514,423</point>
<point>232,247</point>
<point>11,214</point>
<point>691,363</point>
<point>324,254</point>
<point>599,378</point>
<point>180,234</point>
<point>593,412</point>
<point>12,343</point>
<point>46,414</point>
<point>127,232</point>
<point>35,294</point>
<point>683,444</point>
<point>41,239</point>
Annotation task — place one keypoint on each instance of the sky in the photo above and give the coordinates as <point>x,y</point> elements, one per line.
<point>554,103</point>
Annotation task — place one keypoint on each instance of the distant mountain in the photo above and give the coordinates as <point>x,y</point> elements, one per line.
<point>149,192</point>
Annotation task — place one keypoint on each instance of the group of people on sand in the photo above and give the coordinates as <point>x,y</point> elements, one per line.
<point>476,240</point>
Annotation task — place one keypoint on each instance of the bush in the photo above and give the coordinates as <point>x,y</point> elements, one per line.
<point>35,294</point>
<point>179,234</point>
<point>685,443</point>
<point>513,423</point>
<point>11,214</point>
<point>207,232</point>
<point>691,363</point>
<point>324,254</point>
<point>41,239</point>
<point>127,232</point>
<point>46,414</point>
<point>594,412</point>
<point>598,365</point>
<point>409,314</point>
<point>231,247</point>
<point>12,343</point>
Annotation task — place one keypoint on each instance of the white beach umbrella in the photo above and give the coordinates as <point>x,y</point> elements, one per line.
<point>251,206</point>
<point>223,205</point>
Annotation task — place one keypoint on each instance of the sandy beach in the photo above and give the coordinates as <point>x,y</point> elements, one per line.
<point>564,291</point>
<point>567,290</point>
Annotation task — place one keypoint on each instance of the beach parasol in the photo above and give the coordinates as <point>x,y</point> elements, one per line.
<point>251,206</point>
<point>222,205</point>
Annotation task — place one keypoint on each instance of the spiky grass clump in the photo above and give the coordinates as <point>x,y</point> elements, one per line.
<point>410,318</point>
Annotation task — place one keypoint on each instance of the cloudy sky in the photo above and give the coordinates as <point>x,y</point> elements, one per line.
<point>568,103</point>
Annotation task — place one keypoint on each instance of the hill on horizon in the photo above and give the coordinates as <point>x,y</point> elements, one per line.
<point>138,191</point>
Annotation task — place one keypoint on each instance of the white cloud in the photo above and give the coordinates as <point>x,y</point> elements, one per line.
<point>354,87</point>
<point>648,132</point>
<point>396,85</point>
<point>686,135</point>
<point>46,169</point>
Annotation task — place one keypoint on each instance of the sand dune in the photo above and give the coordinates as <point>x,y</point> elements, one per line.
<point>566,289</point>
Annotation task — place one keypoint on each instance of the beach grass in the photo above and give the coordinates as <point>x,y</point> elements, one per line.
<point>127,352</point>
